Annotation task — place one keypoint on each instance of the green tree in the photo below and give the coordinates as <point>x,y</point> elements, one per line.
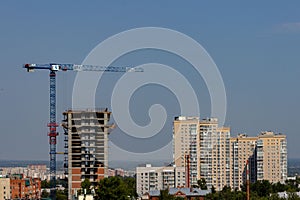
<point>130,183</point>
<point>112,188</point>
<point>45,194</point>
<point>63,182</point>
<point>226,192</point>
<point>278,187</point>
<point>293,196</point>
<point>164,195</point>
<point>202,184</point>
<point>292,185</point>
<point>274,196</point>
<point>60,195</point>
<point>180,198</point>
<point>86,185</point>
<point>262,188</point>
<point>213,190</point>
<point>239,195</point>
<point>45,184</point>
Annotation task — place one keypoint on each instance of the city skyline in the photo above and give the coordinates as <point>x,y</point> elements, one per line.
<point>254,45</point>
<point>207,154</point>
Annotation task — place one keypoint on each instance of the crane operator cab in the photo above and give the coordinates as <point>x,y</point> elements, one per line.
<point>55,67</point>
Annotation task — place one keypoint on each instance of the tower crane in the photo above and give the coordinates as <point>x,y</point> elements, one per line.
<point>54,68</point>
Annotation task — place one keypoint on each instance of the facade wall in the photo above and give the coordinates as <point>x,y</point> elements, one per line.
<point>214,153</point>
<point>242,148</point>
<point>87,146</point>
<point>5,188</point>
<point>185,145</point>
<point>271,157</point>
<point>25,188</point>
<point>17,188</point>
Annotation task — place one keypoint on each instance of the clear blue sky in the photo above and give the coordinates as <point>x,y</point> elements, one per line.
<point>255,44</point>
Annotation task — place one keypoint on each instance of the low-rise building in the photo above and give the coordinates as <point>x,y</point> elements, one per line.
<point>184,193</point>
<point>159,178</point>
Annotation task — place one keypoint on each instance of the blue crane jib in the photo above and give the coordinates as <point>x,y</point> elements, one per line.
<point>66,67</point>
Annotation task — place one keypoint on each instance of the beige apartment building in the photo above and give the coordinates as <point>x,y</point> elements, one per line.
<point>242,148</point>
<point>267,156</point>
<point>271,157</point>
<point>5,188</point>
<point>186,146</point>
<point>150,178</point>
<point>214,153</point>
<point>87,146</point>
<point>207,147</point>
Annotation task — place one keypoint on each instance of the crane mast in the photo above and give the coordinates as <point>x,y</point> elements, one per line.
<point>53,67</point>
<point>52,133</point>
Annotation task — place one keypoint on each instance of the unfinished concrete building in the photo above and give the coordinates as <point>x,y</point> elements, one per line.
<point>87,146</point>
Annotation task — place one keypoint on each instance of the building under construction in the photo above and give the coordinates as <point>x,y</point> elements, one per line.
<point>86,145</point>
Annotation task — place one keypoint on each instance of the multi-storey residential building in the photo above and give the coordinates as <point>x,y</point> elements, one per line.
<point>214,153</point>
<point>185,146</point>
<point>150,178</point>
<point>242,148</point>
<point>271,157</point>
<point>267,156</point>
<point>205,147</point>
<point>87,146</point>
<point>4,188</point>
